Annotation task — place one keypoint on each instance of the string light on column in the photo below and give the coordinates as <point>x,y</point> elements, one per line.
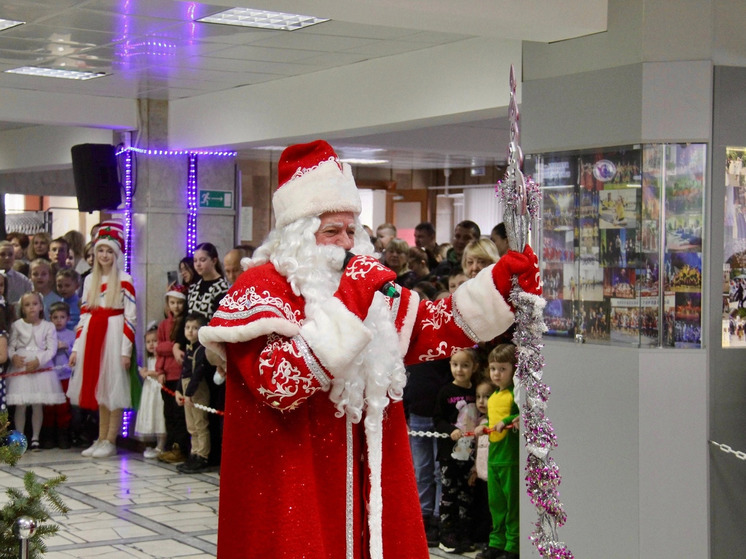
<point>128,156</point>
<point>191,234</point>
<point>192,206</point>
<point>192,187</point>
<point>126,422</point>
<point>180,152</point>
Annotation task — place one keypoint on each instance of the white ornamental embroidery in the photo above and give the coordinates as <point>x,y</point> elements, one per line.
<point>287,385</point>
<point>300,171</point>
<point>361,267</point>
<point>235,306</point>
<point>437,353</point>
<point>440,314</point>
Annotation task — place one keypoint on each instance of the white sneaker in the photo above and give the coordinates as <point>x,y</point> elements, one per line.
<point>88,452</point>
<point>151,452</point>
<point>105,449</point>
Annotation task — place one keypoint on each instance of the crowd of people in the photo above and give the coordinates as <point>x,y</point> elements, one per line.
<point>428,366</point>
<point>67,347</point>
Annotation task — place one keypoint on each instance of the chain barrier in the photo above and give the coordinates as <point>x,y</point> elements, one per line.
<point>429,434</point>
<point>196,405</point>
<point>487,430</point>
<point>728,450</point>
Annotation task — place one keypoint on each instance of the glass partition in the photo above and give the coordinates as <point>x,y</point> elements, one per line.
<point>621,243</point>
<point>734,267</point>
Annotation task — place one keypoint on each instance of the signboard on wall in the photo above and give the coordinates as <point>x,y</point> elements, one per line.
<point>220,199</point>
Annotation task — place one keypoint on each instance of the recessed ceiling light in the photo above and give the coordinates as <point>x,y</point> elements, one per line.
<point>263,19</point>
<point>8,23</point>
<point>55,73</point>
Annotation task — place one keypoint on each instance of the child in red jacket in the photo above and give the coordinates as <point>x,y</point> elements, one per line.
<point>169,375</point>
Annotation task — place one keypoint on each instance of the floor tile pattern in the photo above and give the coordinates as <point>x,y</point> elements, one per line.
<point>128,507</point>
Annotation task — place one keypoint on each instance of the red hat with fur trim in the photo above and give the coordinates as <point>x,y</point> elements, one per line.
<point>111,233</point>
<point>177,291</point>
<point>313,181</point>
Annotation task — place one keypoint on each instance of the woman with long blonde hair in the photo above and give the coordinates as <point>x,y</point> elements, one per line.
<point>101,355</point>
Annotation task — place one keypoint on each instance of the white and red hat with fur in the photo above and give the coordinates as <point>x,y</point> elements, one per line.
<point>313,181</point>
<point>177,291</point>
<point>111,233</point>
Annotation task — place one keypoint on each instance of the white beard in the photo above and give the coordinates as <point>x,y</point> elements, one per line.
<point>377,373</point>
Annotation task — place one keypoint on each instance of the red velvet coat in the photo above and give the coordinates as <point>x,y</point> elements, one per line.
<point>283,487</point>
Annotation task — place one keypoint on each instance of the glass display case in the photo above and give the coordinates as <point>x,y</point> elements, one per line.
<point>734,243</point>
<point>621,243</point>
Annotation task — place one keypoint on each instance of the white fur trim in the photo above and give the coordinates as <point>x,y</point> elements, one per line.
<point>115,246</point>
<point>324,189</point>
<point>482,307</point>
<point>335,335</point>
<point>410,317</point>
<point>214,337</point>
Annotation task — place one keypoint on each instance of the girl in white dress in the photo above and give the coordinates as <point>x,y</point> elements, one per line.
<point>32,379</point>
<point>103,347</point>
<point>151,421</point>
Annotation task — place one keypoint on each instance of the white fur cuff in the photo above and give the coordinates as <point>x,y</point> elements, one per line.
<point>481,306</point>
<point>214,338</point>
<point>335,335</point>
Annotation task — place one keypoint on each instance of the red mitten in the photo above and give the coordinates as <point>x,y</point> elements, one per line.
<point>511,264</point>
<point>525,266</point>
<point>363,276</point>
<point>530,280</point>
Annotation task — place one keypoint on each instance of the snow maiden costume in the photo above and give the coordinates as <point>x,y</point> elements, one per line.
<point>104,335</point>
<point>316,458</point>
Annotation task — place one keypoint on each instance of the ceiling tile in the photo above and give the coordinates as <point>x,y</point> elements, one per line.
<point>163,9</point>
<point>82,38</point>
<point>264,54</point>
<point>385,48</point>
<point>324,43</point>
<point>331,59</point>
<point>347,29</point>
<point>120,25</point>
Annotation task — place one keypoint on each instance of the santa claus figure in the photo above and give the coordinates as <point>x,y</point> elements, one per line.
<point>316,460</point>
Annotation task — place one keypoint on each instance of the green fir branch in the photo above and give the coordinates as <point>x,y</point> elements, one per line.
<point>37,500</point>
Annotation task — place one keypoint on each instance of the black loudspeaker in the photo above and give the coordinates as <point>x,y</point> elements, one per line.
<point>96,177</point>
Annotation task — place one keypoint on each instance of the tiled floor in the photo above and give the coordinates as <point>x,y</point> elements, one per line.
<point>126,506</point>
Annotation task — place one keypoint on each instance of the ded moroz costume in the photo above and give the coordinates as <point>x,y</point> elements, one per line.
<point>316,460</point>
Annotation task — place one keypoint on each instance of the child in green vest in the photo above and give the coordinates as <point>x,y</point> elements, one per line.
<point>502,473</point>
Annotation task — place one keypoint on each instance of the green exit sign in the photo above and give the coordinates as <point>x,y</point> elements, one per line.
<point>216,199</point>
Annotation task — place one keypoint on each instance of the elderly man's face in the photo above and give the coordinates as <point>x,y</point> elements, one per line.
<point>232,265</point>
<point>6,257</point>
<point>338,229</point>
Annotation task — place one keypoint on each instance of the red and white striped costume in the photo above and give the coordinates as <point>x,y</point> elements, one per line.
<point>112,384</point>
<point>288,455</point>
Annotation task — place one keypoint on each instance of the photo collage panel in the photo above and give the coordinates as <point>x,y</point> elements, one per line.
<point>617,251</point>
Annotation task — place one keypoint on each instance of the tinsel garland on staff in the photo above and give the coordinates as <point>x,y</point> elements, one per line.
<point>521,198</point>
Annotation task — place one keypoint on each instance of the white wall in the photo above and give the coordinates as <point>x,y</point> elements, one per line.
<point>631,426</point>
<point>373,96</point>
<point>39,147</point>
